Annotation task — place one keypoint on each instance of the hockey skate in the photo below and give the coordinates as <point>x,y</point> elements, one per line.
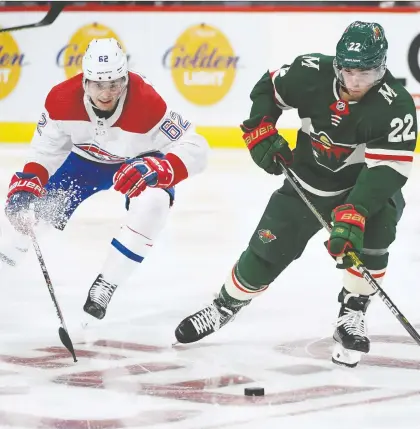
<point>206,321</point>
<point>350,336</point>
<point>98,298</point>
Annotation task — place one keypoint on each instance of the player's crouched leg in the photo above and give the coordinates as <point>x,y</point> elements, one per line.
<point>147,215</point>
<point>235,294</point>
<point>279,238</point>
<point>351,334</point>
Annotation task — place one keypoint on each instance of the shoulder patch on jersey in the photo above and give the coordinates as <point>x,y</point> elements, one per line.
<point>387,92</point>
<point>65,101</point>
<point>310,61</point>
<point>143,107</point>
<point>315,60</point>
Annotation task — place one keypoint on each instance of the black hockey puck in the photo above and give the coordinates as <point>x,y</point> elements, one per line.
<point>254,391</point>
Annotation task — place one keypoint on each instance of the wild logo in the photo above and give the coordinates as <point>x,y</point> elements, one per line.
<point>377,33</point>
<point>266,235</point>
<point>340,108</point>
<point>327,153</point>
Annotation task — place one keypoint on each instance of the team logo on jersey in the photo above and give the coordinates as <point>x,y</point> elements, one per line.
<point>327,153</point>
<point>11,62</point>
<point>266,235</point>
<point>70,56</point>
<point>340,108</point>
<point>98,153</point>
<point>203,64</point>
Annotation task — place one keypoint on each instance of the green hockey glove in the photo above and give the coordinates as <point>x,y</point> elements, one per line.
<point>265,144</point>
<point>347,232</point>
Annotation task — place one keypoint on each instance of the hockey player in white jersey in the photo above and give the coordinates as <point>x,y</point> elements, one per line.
<point>106,127</point>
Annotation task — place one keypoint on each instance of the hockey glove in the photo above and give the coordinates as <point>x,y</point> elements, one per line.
<point>265,144</point>
<point>24,190</point>
<point>347,233</point>
<point>134,176</point>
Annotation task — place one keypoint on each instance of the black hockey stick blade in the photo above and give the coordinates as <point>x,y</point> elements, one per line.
<point>48,19</point>
<point>65,339</point>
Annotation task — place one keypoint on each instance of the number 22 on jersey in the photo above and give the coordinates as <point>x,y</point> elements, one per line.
<point>402,129</point>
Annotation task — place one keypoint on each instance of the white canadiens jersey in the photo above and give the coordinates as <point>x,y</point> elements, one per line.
<point>141,123</point>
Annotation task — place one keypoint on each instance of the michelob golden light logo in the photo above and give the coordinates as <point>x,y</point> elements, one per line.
<point>70,56</point>
<point>11,62</point>
<point>203,64</point>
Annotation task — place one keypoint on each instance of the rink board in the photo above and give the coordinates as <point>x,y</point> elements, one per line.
<point>202,63</point>
<point>218,137</point>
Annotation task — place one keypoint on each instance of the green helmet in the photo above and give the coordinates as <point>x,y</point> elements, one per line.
<point>363,46</point>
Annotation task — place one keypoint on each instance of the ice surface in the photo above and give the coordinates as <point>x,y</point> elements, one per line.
<point>130,376</point>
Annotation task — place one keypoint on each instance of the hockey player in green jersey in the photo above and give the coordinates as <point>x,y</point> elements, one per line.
<point>353,155</point>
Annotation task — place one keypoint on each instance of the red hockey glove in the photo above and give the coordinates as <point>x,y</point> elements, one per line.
<point>134,176</point>
<point>24,189</point>
<point>23,182</point>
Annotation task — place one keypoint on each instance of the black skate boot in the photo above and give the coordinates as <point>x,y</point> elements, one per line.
<point>350,334</point>
<point>98,298</point>
<point>206,321</point>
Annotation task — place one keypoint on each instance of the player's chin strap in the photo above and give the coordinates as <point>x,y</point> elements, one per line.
<point>358,264</point>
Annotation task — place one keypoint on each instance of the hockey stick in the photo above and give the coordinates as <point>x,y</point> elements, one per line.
<point>358,264</point>
<point>62,331</point>
<point>48,19</point>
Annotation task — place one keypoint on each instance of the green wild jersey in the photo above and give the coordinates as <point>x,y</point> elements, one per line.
<point>364,148</point>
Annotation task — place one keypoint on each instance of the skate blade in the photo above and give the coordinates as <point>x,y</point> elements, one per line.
<point>345,357</point>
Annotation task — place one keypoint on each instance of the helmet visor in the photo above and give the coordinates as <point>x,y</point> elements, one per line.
<point>358,78</point>
<point>113,88</point>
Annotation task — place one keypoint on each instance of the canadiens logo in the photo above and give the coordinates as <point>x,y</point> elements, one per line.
<point>96,152</point>
<point>327,153</point>
<point>266,235</point>
<point>340,108</point>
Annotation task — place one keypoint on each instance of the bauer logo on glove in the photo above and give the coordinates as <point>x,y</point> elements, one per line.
<point>265,144</point>
<point>347,233</point>
<point>253,137</point>
<point>22,182</point>
<point>134,176</point>
<point>24,190</point>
